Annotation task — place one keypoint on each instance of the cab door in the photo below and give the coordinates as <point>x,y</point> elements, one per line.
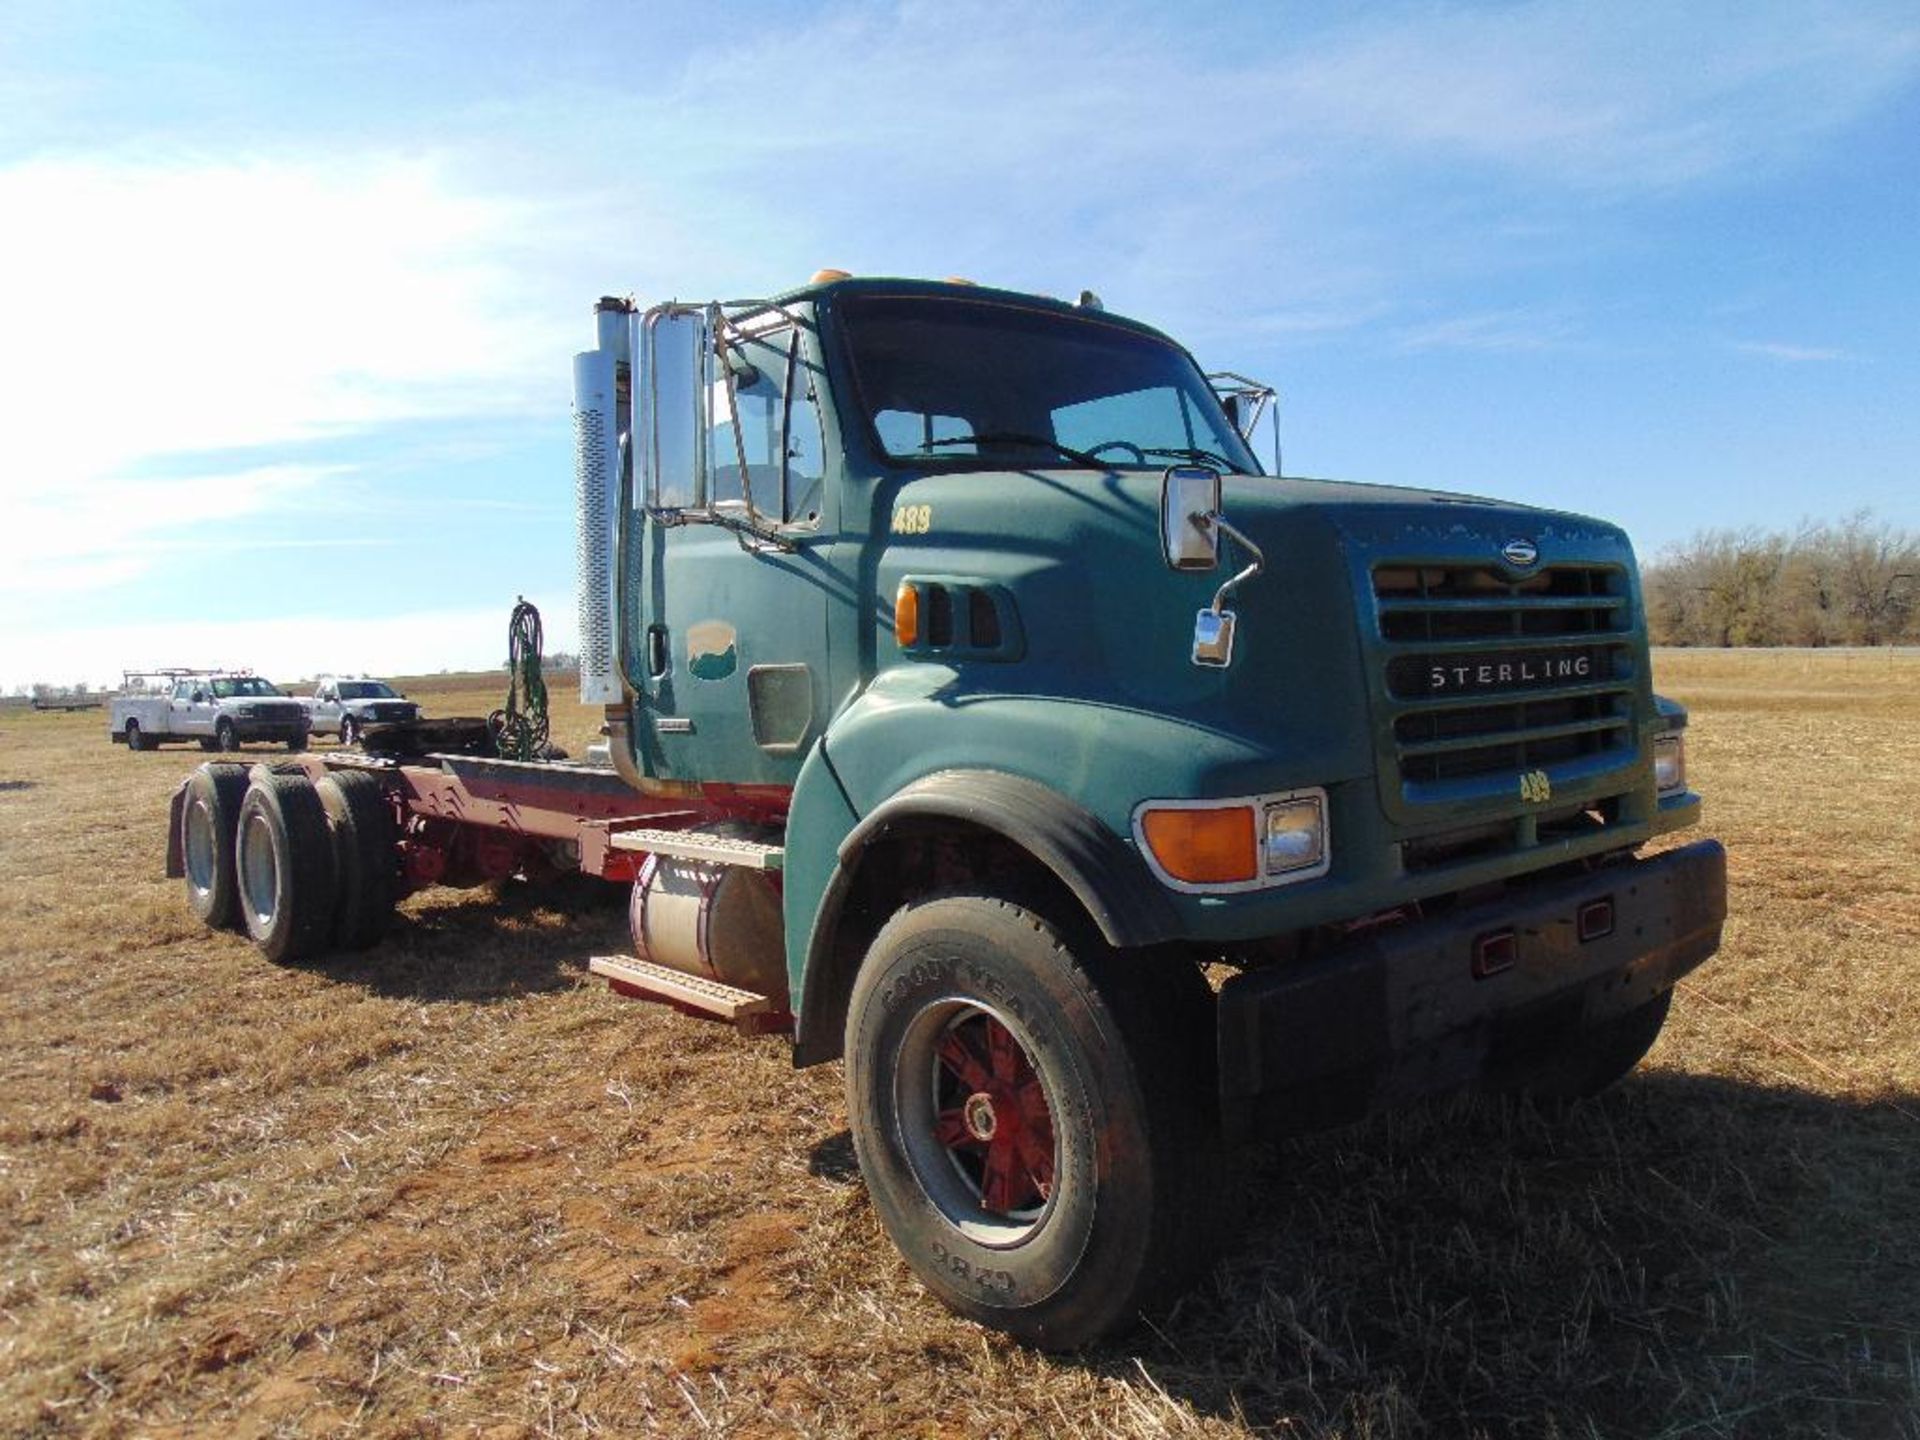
<point>730,588</point>
<point>190,711</point>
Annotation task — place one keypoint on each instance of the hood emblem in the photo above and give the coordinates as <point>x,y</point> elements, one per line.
<point>1519,553</point>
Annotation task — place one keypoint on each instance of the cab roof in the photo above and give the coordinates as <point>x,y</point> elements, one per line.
<point>893,286</point>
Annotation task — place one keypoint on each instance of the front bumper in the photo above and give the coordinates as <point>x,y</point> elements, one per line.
<point>1398,1014</point>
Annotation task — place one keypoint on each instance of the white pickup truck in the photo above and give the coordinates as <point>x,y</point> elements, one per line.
<point>222,711</point>
<point>344,707</point>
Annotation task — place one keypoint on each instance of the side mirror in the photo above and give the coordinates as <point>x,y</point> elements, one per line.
<point>199,697</point>
<point>1185,492</point>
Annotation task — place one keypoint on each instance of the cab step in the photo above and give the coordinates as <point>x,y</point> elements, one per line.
<point>746,1011</point>
<point>701,845</point>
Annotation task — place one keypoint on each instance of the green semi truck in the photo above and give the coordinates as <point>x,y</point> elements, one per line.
<point>980,715</point>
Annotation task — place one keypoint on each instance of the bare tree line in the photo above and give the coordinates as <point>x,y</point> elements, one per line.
<point>1854,582</point>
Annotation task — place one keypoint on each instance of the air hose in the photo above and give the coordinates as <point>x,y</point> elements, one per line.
<point>520,730</point>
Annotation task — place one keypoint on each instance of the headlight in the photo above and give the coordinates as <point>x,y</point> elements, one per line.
<point>1670,763</point>
<point>1226,846</point>
<point>1296,834</point>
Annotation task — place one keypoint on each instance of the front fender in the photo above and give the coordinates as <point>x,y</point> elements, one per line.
<point>1106,876</point>
<point>1058,777</point>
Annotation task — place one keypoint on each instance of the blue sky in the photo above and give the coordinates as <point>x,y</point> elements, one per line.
<point>287,294</point>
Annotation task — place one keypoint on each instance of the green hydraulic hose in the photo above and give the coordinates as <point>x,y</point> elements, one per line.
<point>520,730</point>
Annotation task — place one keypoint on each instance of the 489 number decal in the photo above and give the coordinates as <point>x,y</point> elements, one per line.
<point>912,519</point>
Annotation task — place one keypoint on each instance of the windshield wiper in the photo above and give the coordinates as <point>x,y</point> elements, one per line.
<point>1014,437</point>
<point>1199,457</point>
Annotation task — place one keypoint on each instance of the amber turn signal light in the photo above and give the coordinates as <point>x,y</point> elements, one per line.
<point>906,616</point>
<point>1204,847</point>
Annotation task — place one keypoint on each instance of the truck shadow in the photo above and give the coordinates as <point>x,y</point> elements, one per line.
<point>488,945</point>
<point>1684,1253</point>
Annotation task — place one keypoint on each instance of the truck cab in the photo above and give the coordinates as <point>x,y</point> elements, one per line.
<point>980,607</point>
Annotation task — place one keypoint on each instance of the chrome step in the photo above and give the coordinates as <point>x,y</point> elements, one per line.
<point>693,994</point>
<point>701,845</point>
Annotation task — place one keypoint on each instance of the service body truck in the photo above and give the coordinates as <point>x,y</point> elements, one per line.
<point>981,715</point>
<point>222,709</point>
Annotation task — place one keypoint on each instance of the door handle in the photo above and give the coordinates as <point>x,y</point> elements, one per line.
<point>656,651</point>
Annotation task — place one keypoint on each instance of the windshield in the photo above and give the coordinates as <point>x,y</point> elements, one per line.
<point>946,380</point>
<point>242,685</point>
<point>365,690</point>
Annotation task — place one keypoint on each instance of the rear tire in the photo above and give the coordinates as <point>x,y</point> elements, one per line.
<point>365,861</point>
<point>297,744</point>
<point>1032,1116</point>
<point>208,821</point>
<point>283,858</point>
<point>135,740</point>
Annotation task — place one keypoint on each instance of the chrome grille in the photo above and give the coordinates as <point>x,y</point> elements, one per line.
<point>1490,675</point>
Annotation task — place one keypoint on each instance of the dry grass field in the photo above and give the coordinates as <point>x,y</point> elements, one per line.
<point>452,1186</point>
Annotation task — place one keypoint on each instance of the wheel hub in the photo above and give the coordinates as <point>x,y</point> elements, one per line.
<point>992,1117</point>
<point>979,1116</point>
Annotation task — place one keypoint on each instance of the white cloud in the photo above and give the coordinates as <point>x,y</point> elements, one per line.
<point>1610,97</point>
<point>97,530</point>
<point>1509,330</point>
<point>159,306</point>
<point>1791,354</point>
<point>180,306</point>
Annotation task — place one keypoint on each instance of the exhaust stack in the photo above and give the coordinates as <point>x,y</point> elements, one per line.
<point>602,418</point>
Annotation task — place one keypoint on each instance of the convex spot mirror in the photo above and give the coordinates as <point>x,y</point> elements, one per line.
<point>1185,492</point>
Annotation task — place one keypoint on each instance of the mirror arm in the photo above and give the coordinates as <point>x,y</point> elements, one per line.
<point>1259,562</point>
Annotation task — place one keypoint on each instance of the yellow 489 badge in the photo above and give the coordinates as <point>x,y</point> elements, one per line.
<point>1535,787</point>
<point>912,519</point>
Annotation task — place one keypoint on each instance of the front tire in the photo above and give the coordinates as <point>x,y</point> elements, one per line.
<point>226,736</point>
<point>347,734</point>
<point>1032,1116</point>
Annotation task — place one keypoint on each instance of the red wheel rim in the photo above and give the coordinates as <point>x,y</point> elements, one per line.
<point>991,1115</point>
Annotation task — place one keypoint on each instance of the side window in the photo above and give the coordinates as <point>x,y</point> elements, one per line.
<point>748,434</point>
<point>806,442</point>
<point>675,381</point>
<point>183,691</point>
<point>775,431</point>
<point>903,432</point>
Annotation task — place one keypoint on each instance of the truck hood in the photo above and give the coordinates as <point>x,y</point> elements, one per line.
<point>1105,618</point>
